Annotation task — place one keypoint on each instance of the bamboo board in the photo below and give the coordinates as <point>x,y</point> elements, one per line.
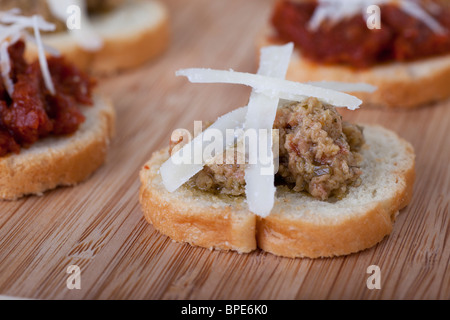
<point>99,226</point>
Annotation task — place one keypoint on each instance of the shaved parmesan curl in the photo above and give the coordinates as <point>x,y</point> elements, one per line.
<point>5,65</point>
<point>42,58</point>
<point>262,110</point>
<point>175,174</point>
<point>272,87</point>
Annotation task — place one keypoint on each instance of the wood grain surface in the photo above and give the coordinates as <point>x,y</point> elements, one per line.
<point>99,226</point>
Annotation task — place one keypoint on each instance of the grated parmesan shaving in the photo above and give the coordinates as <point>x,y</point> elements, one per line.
<point>174,174</point>
<point>334,11</point>
<point>42,58</point>
<point>12,28</point>
<point>259,186</point>
<point>416,11</point>
<point>272,87</point>
<point>5,65</point>
<point>50,50</point>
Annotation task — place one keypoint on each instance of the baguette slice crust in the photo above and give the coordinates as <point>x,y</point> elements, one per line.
<point>299,226</point>
<point>60,161</point>
<point>402,85</point>
<point>133,33</point>
<point>190,215</point>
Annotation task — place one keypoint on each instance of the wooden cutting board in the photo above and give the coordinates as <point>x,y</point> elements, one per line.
<point>99,227</point>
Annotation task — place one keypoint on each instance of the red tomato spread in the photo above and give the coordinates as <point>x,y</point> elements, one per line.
<point>350,42</point>
<point>32,113</point>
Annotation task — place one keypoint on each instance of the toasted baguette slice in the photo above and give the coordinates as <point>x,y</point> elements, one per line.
<point>400,85</point>
<point>299,226</point>
<point>59,161</point>
<point>132,34</point>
